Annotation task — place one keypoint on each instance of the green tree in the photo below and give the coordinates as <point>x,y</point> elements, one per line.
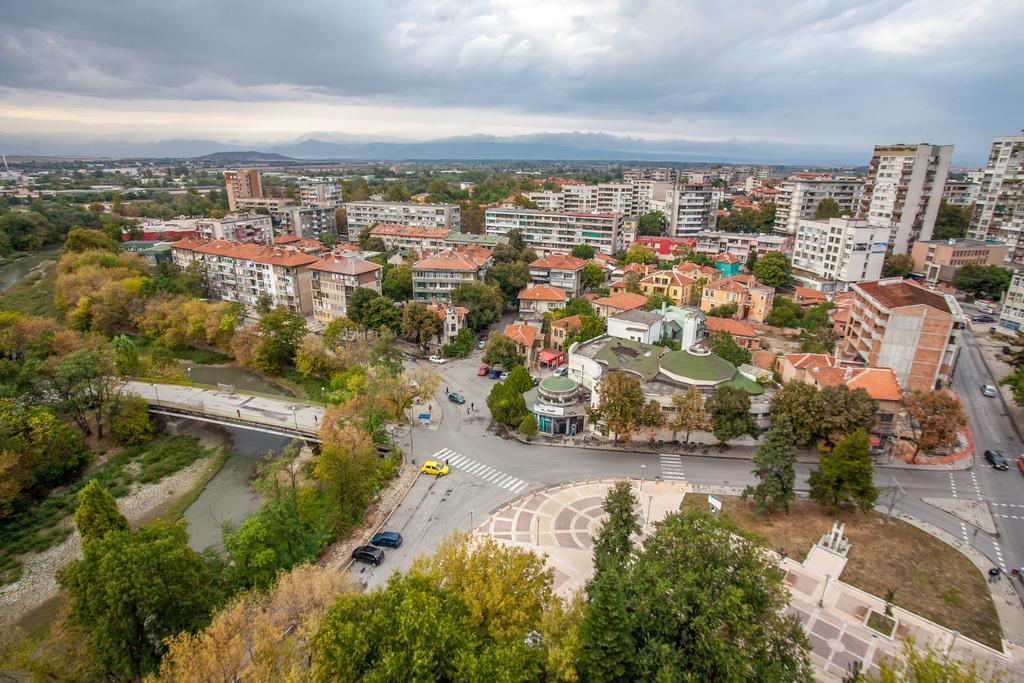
<point>420,325</point>
<point>126,355</point>
<point>519,379</point>
<point>381,314</point>
<point>656,302</point>
<point>279,333</point>
<point>96,513</point>
<point>652,223</point>
<point>507,405</point>
<point>584,251</point>
<point>133,589</point>
<point>828,208</point>
<point>590,326</point>
<point>509,278</point>
<point>730,413</point>
<point>773,467</point>
<point>934,418</point>
<point>800,403</point>
<point>723,346</point>
<point>844,477</point>
<point>340,330</point>
<point>83,239</point>
<point>952,221</point>
<point>397,283</point>
<point>622,408</point>
<point>501,351</point>
<point>723,311</point>
<point>772,269</point>
<point>528,427</point>
<point>691,415</point>
<point>632,281</point>
<point>343,467</point>
<point>264,304</point>
<point>897,265</point>
<point>358,302</point>
<point>930,665</point>
<point>465,341</point>
<point>83,381</point>
<point>980,281</point>
<point>483,302</point>
<point>846,410</point>
<point>592,276</point>
<point>708,605</point>
<point>640,254</point>
<point>129,421</point>
<point>784,313</point>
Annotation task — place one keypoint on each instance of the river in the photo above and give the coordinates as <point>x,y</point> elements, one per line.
<point>14,271</point>
<point>229,496</point>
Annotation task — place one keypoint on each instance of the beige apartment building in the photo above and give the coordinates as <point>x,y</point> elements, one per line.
<point>421,240</point>
<point>753,300</point>
<point>937,260</point>
<point>900,324</point>
<point>799,199</point>
<point>243,272</point>
<point>335,278</point>
<point>367,214</point>
<point>550,232</point>
<point>236,227</point>
<point>244,183</point>
<point>434,277</point>
<point>559,270</point>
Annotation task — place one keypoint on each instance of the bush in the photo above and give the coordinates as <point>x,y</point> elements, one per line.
<point>461,347</point>
<point>129,422</point>
<point>528,427</point>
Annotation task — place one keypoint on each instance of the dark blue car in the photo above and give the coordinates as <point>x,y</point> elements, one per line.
<point>494,374</point>
<point>390,539</point>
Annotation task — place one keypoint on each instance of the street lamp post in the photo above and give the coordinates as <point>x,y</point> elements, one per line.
<point>295,418</point>
<point>189,371</point>
<point>470,520</point>
<point>650,499</point>
<point>323,395</point>
<point>155,393</point>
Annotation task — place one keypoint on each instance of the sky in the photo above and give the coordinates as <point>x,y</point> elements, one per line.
<point>846,74</point>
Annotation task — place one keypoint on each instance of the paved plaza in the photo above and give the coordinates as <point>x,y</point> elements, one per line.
<point>560,523</point>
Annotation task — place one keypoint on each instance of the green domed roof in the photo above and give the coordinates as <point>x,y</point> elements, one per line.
<point>557,385</point>
<point>709,368</point>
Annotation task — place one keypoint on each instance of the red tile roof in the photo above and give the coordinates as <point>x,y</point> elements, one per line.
<point>808,294</point>
<point>738,328</point>
<point>674,278</point>
<point>442,309</point>
<point>623,301</point>
<point>726,257</point>
<point>452,260</point>
<point>559,262</point>
<point>260,253</point>
<point>541,293</point>
<point>409,231</point>
<point>904,293</point>
<point>693,270</point>
<point>521,333</point>
<point>572,322</point>
<point>286,239</point>
<point>880,383</point>
<point>807,361</point>
<point>345,265</point>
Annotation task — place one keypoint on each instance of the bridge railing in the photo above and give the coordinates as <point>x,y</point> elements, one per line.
<point>217,387</point>
<point>198,406</point>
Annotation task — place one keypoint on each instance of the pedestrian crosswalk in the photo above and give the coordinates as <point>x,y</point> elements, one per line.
<point>672,467</point>
<point>479,470</point>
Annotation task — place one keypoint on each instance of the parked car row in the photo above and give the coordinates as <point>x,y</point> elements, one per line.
<point>372,554</point>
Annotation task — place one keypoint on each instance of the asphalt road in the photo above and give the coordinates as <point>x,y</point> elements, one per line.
<point>482,463</point>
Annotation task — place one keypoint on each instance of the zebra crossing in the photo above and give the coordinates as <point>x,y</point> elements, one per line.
<point>480,470</point>
<point>672,467</point>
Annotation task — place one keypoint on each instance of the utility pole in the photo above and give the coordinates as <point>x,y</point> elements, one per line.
<point>898,494</point>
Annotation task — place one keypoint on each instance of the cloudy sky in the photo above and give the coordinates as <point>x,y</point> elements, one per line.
<point>818,72</point>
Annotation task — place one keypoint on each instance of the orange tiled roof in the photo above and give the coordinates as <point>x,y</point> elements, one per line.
<point>260,253</point>
<point>738,328</point>
<point>441,309</point>
<point>345,265</point>
<point>559,262</point>
<point>641,269</point>
<point>880,383</point>
<point>601,256</point>
<point>409,231</point>
<point>806,361</point>
<point>572,322</point>
<point>453,260</point>
<point>726,257</point>
<point>286,239</point>
<point>623,301</point>
<point>687,268</point>
<point>810,294</point>
<point>521,333</point>
<point>675,278</point>
<point>541,293</point>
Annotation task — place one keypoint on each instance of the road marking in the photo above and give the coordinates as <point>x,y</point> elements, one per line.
<point>672,467</point>
<point>999,554</point>
<point>963,529</point>
<point>1008,516</point>
<point>1009,505</point>
<point>952,484</point>
<point>977,487</point>
<point>481,471</point>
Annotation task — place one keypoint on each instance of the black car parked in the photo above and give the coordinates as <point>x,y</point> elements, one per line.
<point>996,459</point>
<point>390,539</point>
<point>368,554</point>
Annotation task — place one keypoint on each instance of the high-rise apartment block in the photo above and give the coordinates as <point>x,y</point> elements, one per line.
<point>799,198</point>
<point>903,190</point>
<point>307,222</point>
<point>370,213</point>
<point>999,212</point>
<point>320,192</point>
<point>237,227</point>
<point>242,184</point>
<point>961,192</point>
<point>553,232</point>
<point>335,278</point>
<point>690,209</point>
<point>830,255</point>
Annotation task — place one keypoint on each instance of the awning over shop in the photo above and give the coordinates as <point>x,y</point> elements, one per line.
<point>551,357</point>
<point>875,441</point>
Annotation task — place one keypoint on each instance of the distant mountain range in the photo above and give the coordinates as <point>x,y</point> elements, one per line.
<point>536,147</point>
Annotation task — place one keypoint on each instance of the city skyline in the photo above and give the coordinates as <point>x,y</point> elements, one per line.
<point>827,78</point>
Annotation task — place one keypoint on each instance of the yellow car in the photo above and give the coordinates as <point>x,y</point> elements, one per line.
<point>434,467</point>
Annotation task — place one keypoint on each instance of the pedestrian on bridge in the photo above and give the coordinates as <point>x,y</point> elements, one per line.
<point>239,413</point>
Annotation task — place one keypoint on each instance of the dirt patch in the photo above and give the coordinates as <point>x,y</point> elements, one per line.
<point>931,578</point>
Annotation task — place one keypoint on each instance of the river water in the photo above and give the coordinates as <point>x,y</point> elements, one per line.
<point>12,272</point>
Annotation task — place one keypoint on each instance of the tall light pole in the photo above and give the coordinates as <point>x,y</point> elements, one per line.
<point>295,419</point>
<point>323,396</point>
<point>156,393</point>
<point>650,499</point>
<point>189,371</point>
<point>643,471</point>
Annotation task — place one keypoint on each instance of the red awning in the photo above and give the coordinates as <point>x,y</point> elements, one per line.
<point>551,356</point>
<point>875,441</point>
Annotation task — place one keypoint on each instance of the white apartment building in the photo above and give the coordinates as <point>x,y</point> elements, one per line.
<point>421,240</point>
<point>553,232</point>
<point>244,183</point>
<point>961,192</point>
<point>1011,313</point>
<point>740,244</point>
<point>999,212</point>
<point>603,198</point>
<point>238,227</point>
<point>663,174</point>
<point>830,255</point>
<point>547,200</point>
<point>798,199</point>
<point>307,222</point>
<point>903,190</point>
<point>243,272</point>
<point>690,209</point>
<point>320,192</point>
<point>367,214</point>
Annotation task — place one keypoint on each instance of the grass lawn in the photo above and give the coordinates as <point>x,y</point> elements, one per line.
<point>39,528</point>
<point>303,386</point>
<point>195,354</point>
<point>33,295</point>
<point>931,578</point>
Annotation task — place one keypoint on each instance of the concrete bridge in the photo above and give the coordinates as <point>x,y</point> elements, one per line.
<point>280,416</point>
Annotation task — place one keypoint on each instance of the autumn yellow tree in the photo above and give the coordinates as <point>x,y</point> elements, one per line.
<point>690,416</point>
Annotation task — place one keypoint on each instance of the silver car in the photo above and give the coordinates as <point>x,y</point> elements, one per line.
<point>989,390</point>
